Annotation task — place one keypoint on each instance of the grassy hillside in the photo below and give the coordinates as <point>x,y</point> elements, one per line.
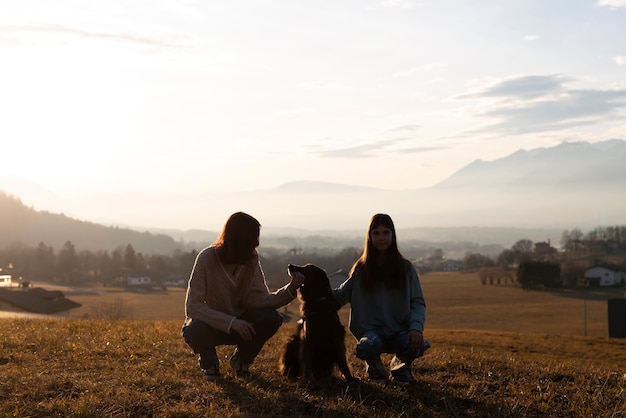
<point>142,368</point>
<point>497,351</point>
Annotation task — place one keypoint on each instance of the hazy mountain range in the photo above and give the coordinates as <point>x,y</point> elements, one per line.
<point>576,184</point>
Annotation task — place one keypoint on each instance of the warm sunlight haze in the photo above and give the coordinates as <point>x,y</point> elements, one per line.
<point>178,98</point>
<point>313,208</point>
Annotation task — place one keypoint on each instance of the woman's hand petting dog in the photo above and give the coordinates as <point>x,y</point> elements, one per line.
<point>297,279</point>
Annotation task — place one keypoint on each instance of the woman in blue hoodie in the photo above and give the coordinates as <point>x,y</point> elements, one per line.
<point>387,307</point>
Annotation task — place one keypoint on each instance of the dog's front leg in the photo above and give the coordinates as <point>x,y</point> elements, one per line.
<point>306,361</point>
<point>308,377</point>
<point>342,363</point>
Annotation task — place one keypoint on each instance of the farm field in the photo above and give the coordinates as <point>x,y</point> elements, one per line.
<point>459,301</point>
<point>454,301</point>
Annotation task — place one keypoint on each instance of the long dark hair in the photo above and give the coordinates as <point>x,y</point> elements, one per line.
<point>391,271</point>
<point>238,239</point>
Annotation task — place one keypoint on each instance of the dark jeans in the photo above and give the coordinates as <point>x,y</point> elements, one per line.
<point>203,339</point>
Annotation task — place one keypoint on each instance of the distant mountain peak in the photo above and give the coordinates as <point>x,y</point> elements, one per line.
<point>568,163</point>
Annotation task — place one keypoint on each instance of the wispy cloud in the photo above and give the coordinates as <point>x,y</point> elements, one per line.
<point>528,104</point>
<point>398,140</point>
<point>374,149</point>
<point>521,87</point>
<point>576,108</point>
<point>20,34</point>
<point>531,38</point>
<point>620,60</point>
<point>365,150</point>
<point>612,3</point>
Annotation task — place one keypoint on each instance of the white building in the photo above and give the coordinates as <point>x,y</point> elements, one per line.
<point>133,279</point>
<point>604,275</point>
<point>5,280</point>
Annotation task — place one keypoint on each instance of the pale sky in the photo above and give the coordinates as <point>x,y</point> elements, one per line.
<point>212,96</point>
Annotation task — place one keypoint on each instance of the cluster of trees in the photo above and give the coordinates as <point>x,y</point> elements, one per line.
<point>494,275</point>
<point>616,233</point>
<point>601,240</point>
<point>72,266</point>
<point>521,251</point>
<point>550,268</point>
<point>535,274</point>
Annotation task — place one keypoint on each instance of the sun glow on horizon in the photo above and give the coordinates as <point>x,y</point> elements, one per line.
<point>177,97</point>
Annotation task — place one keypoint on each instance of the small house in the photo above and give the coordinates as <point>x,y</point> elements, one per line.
<point>5,280</point>
<point>138,281</point>
<point>604,275</point>
<point>134,280</point>
<point>452,265</point>
<point>543,249</point>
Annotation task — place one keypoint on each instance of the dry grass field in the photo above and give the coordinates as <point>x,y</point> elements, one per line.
<point>460,301</point>
<point>454,301</point>
<point>497,351</point>
<point>95,368</point>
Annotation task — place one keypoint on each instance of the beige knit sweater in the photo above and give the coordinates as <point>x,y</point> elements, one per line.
<point>212,292</point>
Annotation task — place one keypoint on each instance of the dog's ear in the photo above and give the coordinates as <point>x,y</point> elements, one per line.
<point>293,268</point>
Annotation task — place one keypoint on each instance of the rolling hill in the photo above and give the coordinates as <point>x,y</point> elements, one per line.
<point>572,185</point>
<point>22,225</point>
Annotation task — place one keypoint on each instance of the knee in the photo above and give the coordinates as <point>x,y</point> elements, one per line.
<point>194,331</point>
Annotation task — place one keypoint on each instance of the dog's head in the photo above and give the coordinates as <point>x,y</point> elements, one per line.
<point>316,284</point>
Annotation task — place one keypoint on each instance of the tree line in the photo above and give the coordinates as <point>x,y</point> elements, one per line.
<point>610,235</point>
<point>533,266</point>
<point>82,267</point>
<point>73,266</point>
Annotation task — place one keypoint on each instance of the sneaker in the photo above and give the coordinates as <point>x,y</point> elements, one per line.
<point>376,371</point>
<point>400,372</point>
<point>398,381</point>
<point>211,375</point>
<point>242,369</point>
<point>212,372</point>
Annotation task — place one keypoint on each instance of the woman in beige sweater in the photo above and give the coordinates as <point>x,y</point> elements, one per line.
<point>228,301</point>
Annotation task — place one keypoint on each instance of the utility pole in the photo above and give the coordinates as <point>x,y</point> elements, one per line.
<point>585,314</point>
